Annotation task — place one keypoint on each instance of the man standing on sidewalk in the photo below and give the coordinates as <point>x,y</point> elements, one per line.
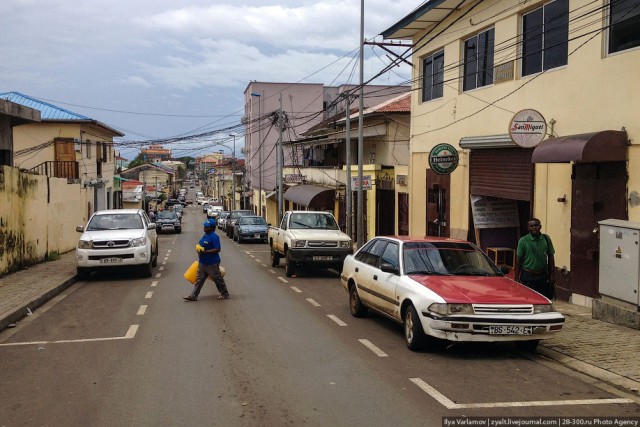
<point>535,263</point>
<point>209,263</point>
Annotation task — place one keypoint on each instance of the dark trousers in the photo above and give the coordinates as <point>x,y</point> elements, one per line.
<point>539,282</point>
<point>213,271</point>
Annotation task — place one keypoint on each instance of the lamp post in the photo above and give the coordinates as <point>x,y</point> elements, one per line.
<point>259,96</point>
<point>234,170</point>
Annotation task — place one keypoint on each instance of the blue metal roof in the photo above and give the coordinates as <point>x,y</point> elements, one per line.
<point>47,111</point>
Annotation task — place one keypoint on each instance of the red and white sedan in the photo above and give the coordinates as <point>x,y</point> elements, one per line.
<point>446,289</point>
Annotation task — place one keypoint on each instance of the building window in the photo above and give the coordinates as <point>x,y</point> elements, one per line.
<point>545,37</point>
<point>433,76</point>
<point>88,145</point>
<point>624,25</point>
<point>478,60</point>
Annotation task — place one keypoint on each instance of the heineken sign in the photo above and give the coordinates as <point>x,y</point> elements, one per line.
<point>443,159</point>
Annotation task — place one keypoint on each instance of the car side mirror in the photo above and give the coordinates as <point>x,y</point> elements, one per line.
<point>151,226</point>
<point>388,268</point>
<point>80,229</point>
<point>505,269</point>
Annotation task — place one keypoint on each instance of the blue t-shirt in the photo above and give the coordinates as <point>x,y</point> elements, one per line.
<point>210,241</point>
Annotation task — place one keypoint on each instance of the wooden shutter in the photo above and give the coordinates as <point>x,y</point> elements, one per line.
<point>505,173</point>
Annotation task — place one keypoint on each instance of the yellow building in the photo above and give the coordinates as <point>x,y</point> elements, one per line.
<point>536,104</point>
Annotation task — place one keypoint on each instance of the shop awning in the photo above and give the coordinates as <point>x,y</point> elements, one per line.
<point>307,195</point>
<point>604,146</point>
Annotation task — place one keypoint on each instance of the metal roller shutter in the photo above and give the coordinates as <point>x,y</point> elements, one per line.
<point>504,173</point>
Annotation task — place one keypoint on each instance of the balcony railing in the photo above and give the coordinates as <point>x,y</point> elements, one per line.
<point>57,169</point>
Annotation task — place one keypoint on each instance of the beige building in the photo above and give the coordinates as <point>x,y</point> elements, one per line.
<point>493,79</point>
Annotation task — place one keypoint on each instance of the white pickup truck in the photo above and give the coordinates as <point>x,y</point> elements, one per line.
<point>308,237</point>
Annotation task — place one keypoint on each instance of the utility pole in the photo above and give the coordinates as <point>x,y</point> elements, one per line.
<point>360,135</point>
<point>349,193</point>
<point>280,166</point>
<point>234,170</point>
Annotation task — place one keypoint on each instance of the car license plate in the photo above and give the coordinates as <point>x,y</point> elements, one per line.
<point>509,330</point>
<point>110,260</point>
<point>256,236</point>
<point>322,258</point>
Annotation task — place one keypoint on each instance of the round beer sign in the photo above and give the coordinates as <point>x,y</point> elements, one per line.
<point>527,128</point>
<point>443,159</point>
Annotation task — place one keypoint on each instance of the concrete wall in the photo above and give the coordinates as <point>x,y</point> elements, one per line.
<point>38,216</point>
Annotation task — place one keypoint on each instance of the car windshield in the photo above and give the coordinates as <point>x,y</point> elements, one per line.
<point>313,220</point>
<point>177,208</point>
<point>446,258</point>
<point>238,214</point>
<point>252,220</point>
<point>167,215</point>
<point>115,222</point>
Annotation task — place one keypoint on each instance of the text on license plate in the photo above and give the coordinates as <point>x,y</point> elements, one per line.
<point>110,260</point>
<point>323,258</point>
<point>509,330</point>
<point>256,236</point>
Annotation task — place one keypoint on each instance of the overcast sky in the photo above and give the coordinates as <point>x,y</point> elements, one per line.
<point>160,68</point>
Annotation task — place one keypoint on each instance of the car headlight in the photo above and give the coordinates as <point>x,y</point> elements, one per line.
<point>345,245</point>
<point>543,308</point>
<point>140,241</point>
<point>85,244</point>
<point>449,309</point>
<point>298,243</point>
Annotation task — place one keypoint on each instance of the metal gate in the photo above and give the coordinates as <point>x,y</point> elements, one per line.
<point>438,188</point>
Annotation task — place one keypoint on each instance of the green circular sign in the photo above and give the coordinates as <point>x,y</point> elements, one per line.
<point>443,159</point>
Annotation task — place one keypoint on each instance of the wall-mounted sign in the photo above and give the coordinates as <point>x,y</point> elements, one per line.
<point>503,72</point>
<point>527,128</point>
<point>291,178</point>
<point>491,212</point>
<point>366,182</point>
<point>443,159</point>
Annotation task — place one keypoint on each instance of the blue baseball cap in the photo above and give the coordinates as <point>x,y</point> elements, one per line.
<point>209,223</point>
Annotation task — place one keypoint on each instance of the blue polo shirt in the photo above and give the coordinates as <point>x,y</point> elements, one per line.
<point>210,241</point>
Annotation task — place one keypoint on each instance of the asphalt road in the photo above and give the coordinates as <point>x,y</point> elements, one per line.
<point>117,350</point>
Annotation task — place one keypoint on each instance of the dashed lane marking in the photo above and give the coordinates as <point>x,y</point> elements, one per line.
<point>264,265</point>
<point>142,310</point>
<point>149,295</point>
<point>373,348</point>
<point>158,275</point>
<point>161,268</point>
<point>313,302</point>
<point>283,280</point>
<point>449,404</point>
<point>336,319</point>
<point>295,289</point>
<point>131,333</point>
<point>154,283</point>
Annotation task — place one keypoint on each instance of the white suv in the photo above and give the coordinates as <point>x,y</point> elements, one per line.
<point>115,238</point>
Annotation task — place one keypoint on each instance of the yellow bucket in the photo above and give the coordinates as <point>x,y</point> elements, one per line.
<point>191,273</point>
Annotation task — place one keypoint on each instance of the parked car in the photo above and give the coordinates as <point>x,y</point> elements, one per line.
<point>168,221</point>
<point>205,206</point>
<point>171,202</point>
<point>122,238</point>
<point>212,211</point>
<point>222,220</point>
<point>250,227</point>
<point>179,210</point>
<point>232,218</point>
<point>445,289</point>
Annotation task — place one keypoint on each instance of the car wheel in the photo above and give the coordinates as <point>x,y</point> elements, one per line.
<point>289,267</point>
<point>235,238</point>
<point>528,346</point>
<point>179,230</point>
<point>275,258</point>
<point>83,273</point>
<point>356,306</point>
<point>413,333</point>
<point>146,270</point>
<point>239,239</point>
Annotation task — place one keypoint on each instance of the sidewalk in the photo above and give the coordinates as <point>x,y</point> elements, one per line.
<point>601,350</point>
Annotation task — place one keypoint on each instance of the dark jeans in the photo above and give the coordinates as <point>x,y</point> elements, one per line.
<point>539,282</point>
<point>213,271</point>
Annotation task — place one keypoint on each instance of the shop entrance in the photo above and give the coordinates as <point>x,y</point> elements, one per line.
<point>598,192</point>
<point>438,188</point>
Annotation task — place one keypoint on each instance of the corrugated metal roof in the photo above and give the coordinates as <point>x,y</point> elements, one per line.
<point>47,111</point>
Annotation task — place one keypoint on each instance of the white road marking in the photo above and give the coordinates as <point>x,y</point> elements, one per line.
<point>154,283</point>
<point>161,268</point>
<point>149,295</point>
<point>273,272</point>
<point>158,275</point>
<point>131,333</point>
<point>313,302</point>
<point>335,319</point>
<point>252,256</point>
<point>142,310</point>
<point>164,262</point>
<point>257,260</point>
<point>283,280</point>
<point>166,258</point>
<point>373,348</point>
<point>295,289</point>
<point>247,252</point>
<point>449,404</point>
<point>168,251</point>
<point>264,265</point>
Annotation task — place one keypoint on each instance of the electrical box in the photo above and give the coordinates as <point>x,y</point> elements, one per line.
<point>620,260</point>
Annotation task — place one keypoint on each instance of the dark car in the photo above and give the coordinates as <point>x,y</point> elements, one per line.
<point>232,218</point>
<point>168,221</point>
<point>172,202</point>
<point>250,227</point>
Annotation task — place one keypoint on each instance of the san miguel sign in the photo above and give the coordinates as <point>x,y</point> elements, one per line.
<point>527,128</point>
<point>443,159</point>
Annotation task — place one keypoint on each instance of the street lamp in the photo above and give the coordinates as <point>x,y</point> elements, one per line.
<point>259,96</point>
<point>234,170</point>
